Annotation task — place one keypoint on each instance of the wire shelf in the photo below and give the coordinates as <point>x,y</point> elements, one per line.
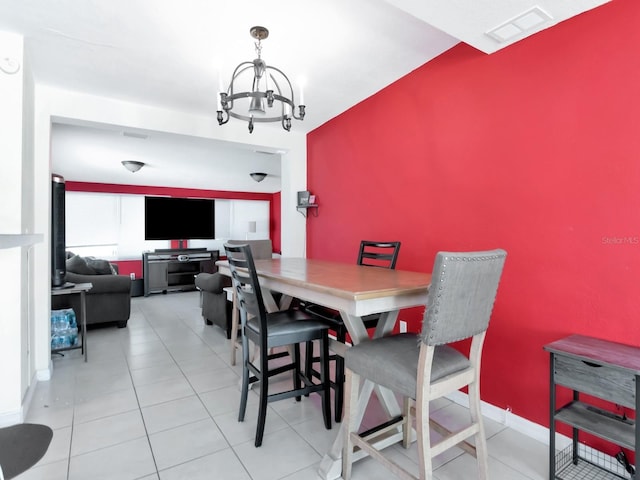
<point>592,465</point>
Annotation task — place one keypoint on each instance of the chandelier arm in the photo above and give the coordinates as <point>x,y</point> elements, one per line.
<point>276,69</point>
<point>239,70</point>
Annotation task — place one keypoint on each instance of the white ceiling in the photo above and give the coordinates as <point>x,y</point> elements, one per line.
<point>172,54</point>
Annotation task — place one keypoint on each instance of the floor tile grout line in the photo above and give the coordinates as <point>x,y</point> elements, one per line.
<point>135,391</point>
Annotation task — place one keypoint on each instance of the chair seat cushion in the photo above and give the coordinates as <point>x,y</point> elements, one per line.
<point>393,362</point>
<point>289,327</point>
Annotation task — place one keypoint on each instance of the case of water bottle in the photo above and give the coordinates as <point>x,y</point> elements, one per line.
<point>64,329</point>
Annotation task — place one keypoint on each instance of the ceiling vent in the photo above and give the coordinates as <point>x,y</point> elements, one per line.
<point>520,25</point>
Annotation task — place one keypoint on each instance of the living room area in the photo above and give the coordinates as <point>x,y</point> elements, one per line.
<point>529,148</point>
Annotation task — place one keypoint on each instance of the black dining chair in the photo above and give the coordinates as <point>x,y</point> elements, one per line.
<point>372,254</point>
<point>424,367</point>
<point>269,331</point>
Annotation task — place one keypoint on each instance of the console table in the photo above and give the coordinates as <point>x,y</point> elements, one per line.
<point>77,289</point>
<point>175,270</point>
<point>603,369</point>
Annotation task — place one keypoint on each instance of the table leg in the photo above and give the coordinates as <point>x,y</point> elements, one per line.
<point>331,464</point>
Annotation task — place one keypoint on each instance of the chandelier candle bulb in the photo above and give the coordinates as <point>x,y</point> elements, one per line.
<point>301,95</point>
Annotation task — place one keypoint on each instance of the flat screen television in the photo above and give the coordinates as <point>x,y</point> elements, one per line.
<point>167,218</point>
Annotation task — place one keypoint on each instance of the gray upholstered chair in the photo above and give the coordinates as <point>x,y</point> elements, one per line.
<point>288,328</point>
<point>215,307</point>
<point>423,367</point>
<point>260,249</point>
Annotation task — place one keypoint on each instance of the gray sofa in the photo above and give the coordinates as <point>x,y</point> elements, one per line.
<point>108,302</point>
<point>216,310</point>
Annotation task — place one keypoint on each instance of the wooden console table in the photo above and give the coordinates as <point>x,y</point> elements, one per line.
<point>81,289</point>
<point>603,369</point>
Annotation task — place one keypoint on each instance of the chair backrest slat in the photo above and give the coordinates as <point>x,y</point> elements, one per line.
<point>462,294</point>
<point>378,254</point>
<point>246,284</point>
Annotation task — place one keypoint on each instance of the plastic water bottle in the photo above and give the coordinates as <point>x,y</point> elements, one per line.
<point>70,316</point>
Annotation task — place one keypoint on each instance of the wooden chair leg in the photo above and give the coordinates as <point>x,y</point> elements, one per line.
<point>245,380</point>
<point>264,394</point>
<point>326,382</point>
<point>234,328</point>
<point>480,438</point>
<point>352,384</point>
<point>425,462</point>
<point>308,361</point>
<point>297,371</point>
<point>407,423</point>
<point>338,399</point>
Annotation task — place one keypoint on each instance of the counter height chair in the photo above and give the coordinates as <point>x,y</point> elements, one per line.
<point>268,331</point>
<point>373,254</point>
<point>424,367</point>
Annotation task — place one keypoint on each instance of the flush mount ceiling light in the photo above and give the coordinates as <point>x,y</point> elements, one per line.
<point>132,165</point>
<point>246,101</point>
<point>258,176</point>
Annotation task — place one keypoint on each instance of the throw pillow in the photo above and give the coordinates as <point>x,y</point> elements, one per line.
<point>101,267</point>
<point>77,264</point>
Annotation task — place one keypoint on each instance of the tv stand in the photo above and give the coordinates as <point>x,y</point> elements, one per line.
<point>167,270</point>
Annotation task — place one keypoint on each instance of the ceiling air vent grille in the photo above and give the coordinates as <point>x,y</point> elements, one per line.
<point>520,25</point>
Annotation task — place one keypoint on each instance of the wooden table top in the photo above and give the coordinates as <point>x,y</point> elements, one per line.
<point>342,279</point>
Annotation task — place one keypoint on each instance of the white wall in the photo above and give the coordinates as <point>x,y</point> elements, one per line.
<point>14,283</point>
<point>61,105</point>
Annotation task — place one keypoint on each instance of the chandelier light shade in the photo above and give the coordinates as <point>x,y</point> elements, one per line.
<point>259,93</point>
<point>258,176</point>
<point>132,165</point>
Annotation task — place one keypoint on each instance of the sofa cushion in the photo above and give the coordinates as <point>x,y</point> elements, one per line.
<point>78,264</point>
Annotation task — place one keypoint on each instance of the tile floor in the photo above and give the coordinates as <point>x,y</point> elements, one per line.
<point>158,400</point>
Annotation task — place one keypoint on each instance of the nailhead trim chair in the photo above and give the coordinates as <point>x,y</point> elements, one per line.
<point>423,367</point>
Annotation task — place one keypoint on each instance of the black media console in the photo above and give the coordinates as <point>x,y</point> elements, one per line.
<point>175,269</point>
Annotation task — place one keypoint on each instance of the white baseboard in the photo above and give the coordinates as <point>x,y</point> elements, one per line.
<point>45,374</point>
<point>513,421</point>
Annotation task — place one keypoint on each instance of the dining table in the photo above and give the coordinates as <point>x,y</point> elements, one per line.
<point>355,291</point>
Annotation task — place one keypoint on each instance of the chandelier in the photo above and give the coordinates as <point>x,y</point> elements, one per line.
<point>270,86</point>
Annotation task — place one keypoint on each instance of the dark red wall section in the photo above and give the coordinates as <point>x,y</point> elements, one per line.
<point>534,149</point>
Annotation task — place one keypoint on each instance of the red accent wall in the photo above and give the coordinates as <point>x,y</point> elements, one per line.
<point>534,149</point>
<point>135,266</point>
<point>276,222</point>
